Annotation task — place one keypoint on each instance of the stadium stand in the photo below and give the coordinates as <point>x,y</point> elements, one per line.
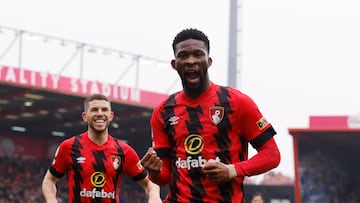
<point>327,161</point>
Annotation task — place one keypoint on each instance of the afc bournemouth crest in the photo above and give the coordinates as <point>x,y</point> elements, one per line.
<point>216,114</point>
<point>116,161</point>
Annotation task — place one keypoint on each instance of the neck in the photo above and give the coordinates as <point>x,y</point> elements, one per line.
<point>195,93</point>
<point>98,137</point>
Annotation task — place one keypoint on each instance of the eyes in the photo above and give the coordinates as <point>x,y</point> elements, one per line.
<point>95,110</point>
<point>185,54</point>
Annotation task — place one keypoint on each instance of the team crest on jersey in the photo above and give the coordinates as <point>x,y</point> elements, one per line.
<point>216,114</point>
<point>116,161</point>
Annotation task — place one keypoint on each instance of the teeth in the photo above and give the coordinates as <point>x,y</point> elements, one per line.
<point>100,121</point>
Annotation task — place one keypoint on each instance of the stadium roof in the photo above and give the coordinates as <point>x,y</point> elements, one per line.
<point>338,132</point>
<point>44,80</point>
<point>344,141</point>
<point>33,112</point>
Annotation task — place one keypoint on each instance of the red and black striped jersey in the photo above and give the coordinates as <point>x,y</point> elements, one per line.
<point>217,125</point>
<point>94,172</point>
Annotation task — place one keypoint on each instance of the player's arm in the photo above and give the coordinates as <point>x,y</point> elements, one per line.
<point>157,159</point>
<point>151,189</point>
<point>158,168</point>
<point>260,134</point>
<point>49,187</point>
<point>267,158</point>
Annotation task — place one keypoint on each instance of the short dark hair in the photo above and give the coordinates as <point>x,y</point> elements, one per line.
<point>95,97</point>
<point>191,33</point>
<point>258,194</point>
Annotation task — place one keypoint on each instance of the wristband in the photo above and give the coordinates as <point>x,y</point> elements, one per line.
<point>232,171</point>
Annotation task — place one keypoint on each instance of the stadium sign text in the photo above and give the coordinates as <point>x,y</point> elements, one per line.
<point>58,83</point>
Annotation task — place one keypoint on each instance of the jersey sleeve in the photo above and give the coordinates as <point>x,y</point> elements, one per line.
<point>133,167</point>
<point>254,126</point>
<point>267,158</point>
<point>159,136</point>
<point>161,145</point>
<point>61,161</point>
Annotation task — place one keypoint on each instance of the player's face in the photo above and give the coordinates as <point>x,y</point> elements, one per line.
<point>98,115</point>
<point>257,199</point>
<point>192,62</point>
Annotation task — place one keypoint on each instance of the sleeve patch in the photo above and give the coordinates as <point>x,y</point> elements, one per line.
<point>262,123</point>
<point>139,165</point>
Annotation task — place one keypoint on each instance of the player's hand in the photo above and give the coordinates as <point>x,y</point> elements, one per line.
<point>152,162</point>
<point>219,172</point>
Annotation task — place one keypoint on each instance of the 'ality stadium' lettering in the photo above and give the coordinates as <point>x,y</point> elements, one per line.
<point>58,83</point>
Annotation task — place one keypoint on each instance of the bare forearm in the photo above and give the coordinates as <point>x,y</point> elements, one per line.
<point>49,188</point>
<point>49,192</point>
<point>152,190</point>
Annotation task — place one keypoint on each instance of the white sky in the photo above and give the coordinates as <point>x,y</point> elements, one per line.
<point>298,58</point>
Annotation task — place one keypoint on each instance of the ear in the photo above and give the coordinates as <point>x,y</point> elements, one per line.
<point>173,64</point>
<point>83,116</point>
<point>209,61</point>
<point>112,114</point>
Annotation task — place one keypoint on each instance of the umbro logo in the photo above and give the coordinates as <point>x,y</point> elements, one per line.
<point>80,160</point>
<point>173,120</point>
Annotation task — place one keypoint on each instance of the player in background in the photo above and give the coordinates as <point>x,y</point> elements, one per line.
<point>257,198</point>
<point>95,162</point>
<point>201,134</point>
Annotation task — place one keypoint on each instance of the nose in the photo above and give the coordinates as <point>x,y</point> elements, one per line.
<point>191,60</point>
<point>99,112</point>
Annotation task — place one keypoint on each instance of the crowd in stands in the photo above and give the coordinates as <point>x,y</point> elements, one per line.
<point>326,179</point>
<point>21,178</point>
<point>276,178</point>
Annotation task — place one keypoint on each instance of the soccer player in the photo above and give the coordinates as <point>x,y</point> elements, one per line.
<point>95,162</point>
<point>201,134</point>
<point>257,198</point>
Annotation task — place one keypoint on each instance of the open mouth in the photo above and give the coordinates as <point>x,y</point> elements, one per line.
<point>192,75</point>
